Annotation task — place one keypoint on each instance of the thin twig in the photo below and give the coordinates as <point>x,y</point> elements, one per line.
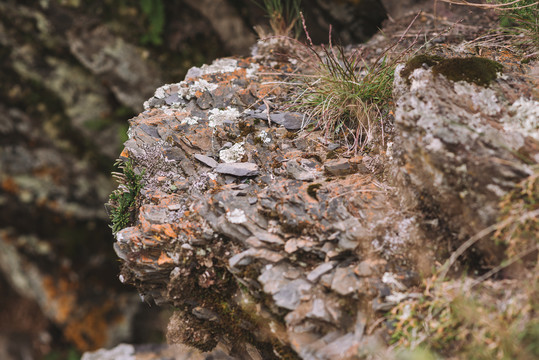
<point>518,256</point>
<point>503,7</point>
<point>481,234</point>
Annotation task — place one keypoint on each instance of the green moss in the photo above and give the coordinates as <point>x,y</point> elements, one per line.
<point>154,12</point>
<point>472,69</point>
<point>417,62</point>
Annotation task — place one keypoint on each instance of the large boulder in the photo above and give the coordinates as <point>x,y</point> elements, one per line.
<point>267,240</point>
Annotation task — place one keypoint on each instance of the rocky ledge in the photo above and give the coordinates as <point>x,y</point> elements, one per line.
<point>271,242</point>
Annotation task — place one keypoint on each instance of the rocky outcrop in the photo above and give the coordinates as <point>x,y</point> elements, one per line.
<point>70,74</point>
<point>251,231</point>
<point>277,242</point>
<point>265,240</point>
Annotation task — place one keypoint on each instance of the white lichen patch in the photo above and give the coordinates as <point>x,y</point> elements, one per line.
<point>522,117</point>
<point>160,92</point>
<point>120,237</point>
<point>389,150</point>
<point>190,120</point>
<point>435,144</point>
<point>217,117</point>
<point>390,279</point>
<point>218,66</point>
<point>236,216</point>
<point>233,154</point>
<point>483,99</point>
<point>202,86</point>
<point>419,80</point>
<point>395,241</point>
<point>264,137</point>
<point>496,190</point>
<point>189,91</point>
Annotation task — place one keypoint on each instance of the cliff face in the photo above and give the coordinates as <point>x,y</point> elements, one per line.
<point>273,242</point>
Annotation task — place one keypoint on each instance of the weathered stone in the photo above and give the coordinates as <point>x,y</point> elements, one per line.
<point>364,269</point>
<point>289,296</point>
<point>238,169</point>
<point>340,167</point>
<point>447,151</point>
<point>246,257</point>
<point>206,160</point>
<point>290,120</point>
<point>321,270</point>
<point>291,252</point>
<point>345,281</point>
<point>296,171</point>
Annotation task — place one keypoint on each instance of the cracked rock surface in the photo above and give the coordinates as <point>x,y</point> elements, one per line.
<point>268,246</point>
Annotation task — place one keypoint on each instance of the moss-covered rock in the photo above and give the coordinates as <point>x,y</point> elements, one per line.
<point>472,69</point>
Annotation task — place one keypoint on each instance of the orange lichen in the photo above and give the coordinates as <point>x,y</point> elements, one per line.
<point>9,185</point>
<point>164,259</point>
<point>90,331</point>
<point>62,298</point>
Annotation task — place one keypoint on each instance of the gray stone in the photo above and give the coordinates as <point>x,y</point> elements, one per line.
<point>289,296</point>
<point>272,277</point>
<point>154,214</point>
<point>238,169</point>
<point>300,172</point>
<point>245,258</point>
<point>318,311</point>
<point>171,99</point>
<point>269,238</point>
<point>364,269</point>
<point>341,348</point>
<point>120,352</point>
<point>340,167</point>
<point>289,120</point>
<point>345,281</point>
<point>206,160</point>
<point>320,270</point>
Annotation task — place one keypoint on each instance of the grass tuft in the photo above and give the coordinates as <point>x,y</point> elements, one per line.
<point>451,321</point>
<point>519,18</point>
<point>283,17</point>
<point>345,96</point>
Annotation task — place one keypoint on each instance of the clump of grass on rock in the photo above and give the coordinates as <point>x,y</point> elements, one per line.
<point>344,96</point>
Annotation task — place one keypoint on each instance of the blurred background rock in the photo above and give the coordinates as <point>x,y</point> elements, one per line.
<point>71,73</point>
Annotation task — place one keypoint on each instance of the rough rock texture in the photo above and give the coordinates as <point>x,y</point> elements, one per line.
<point>279,227</point>
<point>266,244</point>
<point>461,147</point>
<point>71,72</point>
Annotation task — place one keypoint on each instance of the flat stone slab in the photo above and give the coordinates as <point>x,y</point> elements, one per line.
<point>238,169</point>
<point>206,160</point>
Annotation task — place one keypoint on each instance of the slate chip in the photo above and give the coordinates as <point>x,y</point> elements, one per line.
<point>206,160</point>
<point>238,169</point>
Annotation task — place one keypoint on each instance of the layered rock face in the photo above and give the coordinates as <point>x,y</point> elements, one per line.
<point>269,242</point>
<point>71,72</point>
<point>242,223</point>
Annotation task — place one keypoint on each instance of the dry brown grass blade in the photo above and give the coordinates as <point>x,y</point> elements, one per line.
<point>505,6</point>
